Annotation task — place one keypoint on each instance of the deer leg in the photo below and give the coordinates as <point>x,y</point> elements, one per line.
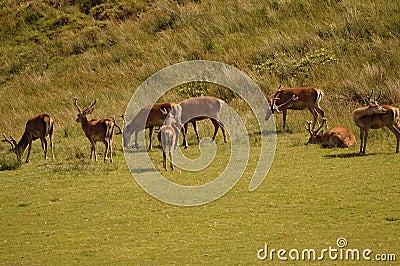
<point>93,150</point>
<point>315,114</point>
<point>107,147</point>
<point>29,151</point>
<point>396,132</point>
<point>216,126</point>
<point>151,129</point>
<point>171,163</point>
<point>51,145</point>
<point>284,113</point>
<point>110,146</point>
<point>184,133</point>
<point>136,144</point>
<point>361,140</point>
<point>222,126</point>
<point>164,160</point>
<point>365,141</point>
<point>320,111</point>
<point>44,146</point>
<point>195,130</point>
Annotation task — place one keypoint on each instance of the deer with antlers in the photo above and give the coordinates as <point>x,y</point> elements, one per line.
<point>375,116</point>
<point>340,137</point>
<point>37,127</point>
<point>309,98</point>
<point>96,130</point>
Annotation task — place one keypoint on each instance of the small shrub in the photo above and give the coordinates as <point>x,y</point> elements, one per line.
<point>9,161</point>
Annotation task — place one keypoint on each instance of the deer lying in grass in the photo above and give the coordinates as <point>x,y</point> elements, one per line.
<point>375,116</point>
<point>305,98</point>
<point>148,117</point>
<point>200,108</point>
<point>169,133</point>
<point>336,137</point>
<point>37,127</point>
<point>96,130</point>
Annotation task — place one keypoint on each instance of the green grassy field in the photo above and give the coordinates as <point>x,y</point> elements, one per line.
<point>75,211</point>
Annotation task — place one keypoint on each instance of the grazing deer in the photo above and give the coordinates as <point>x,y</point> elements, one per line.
<point>148,117</point>
<point>375,116</point>
<point>169,133</point>
<point>200,108</point>
<point>305,98</point>
<point>37,127</point>
<point>96,130</point>
<point>336,137</point>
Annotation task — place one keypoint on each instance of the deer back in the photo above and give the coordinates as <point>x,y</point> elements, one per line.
<point>339,137</point>
<point>307,97</point>
<point>200,108</point>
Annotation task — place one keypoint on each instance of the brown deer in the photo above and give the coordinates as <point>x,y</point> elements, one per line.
<point>305,98</point>
<point>375,117</point>
<point>340,137</point>
<point>37,127</point>
<point>96,130</point>
<point>148,117</point>
<point>200,108</point>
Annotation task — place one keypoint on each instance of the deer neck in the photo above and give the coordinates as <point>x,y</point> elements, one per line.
<point>84,122</point>
<point>23,143</point>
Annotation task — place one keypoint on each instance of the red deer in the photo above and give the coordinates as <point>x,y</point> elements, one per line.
<point>305,98</point>
<point>148,117</point>
<point>375,116</point>
<point>200,108</point>
<point>169,133</point>
<point>336,137</point>
<point>96,130</point>
<point>36,127</point>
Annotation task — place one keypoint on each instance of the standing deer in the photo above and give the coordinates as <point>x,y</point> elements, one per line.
<point>305,98</point>
<point>148,117</point>
<point>375,116</point>
<point>37,127</point>
<point>169,133</point>
<point>336,137</point>
<point>96,130</point>
<point>200,108</point>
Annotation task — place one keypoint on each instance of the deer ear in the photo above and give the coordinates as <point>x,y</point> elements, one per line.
<point>89,111</point>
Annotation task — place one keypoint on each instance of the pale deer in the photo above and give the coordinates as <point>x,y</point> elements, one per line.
<point>169,133</point>
<point>309,98</point>
<point>340,137</point>
<point>37,127</point>
<point>148,117</point>
<point>200,108</point>
<point>96,130</point>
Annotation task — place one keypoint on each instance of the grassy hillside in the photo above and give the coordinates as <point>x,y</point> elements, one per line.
<point>55,50</point>
<point>73,210</point>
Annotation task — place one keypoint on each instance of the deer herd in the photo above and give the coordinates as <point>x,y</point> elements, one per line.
<point>172,118</point>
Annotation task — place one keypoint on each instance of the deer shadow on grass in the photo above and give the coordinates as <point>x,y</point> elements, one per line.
<point>347,155</point>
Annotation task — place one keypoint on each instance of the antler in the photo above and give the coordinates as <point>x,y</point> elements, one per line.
<point>369,97</point>
<point>379,96</point>
<point>76,104</point>
<point>308,128</point>
<point>319,128</point>
<point>91,106</point>
<point>294,98</point>
<point>12,141</point>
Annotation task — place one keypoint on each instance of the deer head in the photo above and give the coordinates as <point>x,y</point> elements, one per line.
<point>82,114</point>
<point>315,137</point>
